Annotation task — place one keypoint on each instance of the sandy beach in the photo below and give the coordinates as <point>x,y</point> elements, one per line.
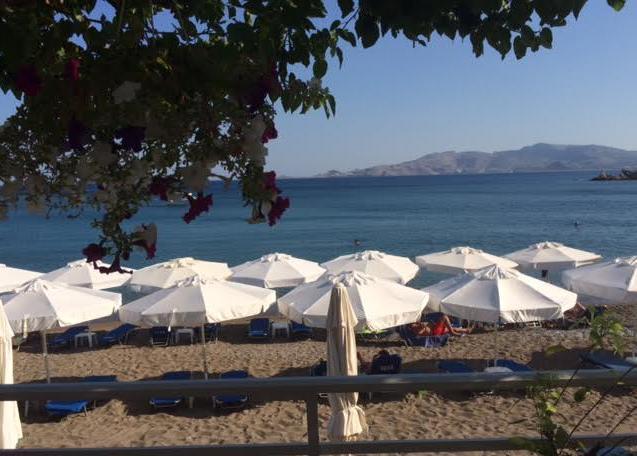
<point>411,416</point>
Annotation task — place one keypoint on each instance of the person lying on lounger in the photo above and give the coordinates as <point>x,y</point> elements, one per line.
<point>439,328</point>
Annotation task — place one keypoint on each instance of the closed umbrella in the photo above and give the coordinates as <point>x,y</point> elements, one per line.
<point>377,303</point>
<point>611,282</point>
<point>11,429</point>
<point>347,419</point>
<point>41,305</point>
<point>11,278</point>
<point>277,270</point>
<point>197,301</point>
<point>81,273</point>
<point>459,260</point>
<point>551,256</point>
<point>391,267</point>
<point>168,273</point>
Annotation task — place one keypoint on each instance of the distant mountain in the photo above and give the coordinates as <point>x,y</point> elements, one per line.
<point>536,158</point>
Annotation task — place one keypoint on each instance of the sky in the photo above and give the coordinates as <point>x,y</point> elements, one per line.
<point>396,102</point>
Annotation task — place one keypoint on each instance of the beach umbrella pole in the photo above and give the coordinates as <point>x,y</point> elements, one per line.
<point>203,352</point>
<point>45,353</point>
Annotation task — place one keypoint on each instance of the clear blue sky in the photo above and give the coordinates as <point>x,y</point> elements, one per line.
<point>395,102</point>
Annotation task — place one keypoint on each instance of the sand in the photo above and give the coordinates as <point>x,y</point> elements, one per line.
<point>411,416</point>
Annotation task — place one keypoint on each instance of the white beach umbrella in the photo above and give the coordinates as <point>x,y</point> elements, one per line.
<point>277,270</point>
<point>459,260</point>
<point>391,267</point>
<point>551,256</point>
<point>347,419</point>
<point>378,303</point>
<point>40,305</point>
<point>494,294</point>
<point>81,273</point>
<point>10,427</point>
<point>168,273</point>
<point>197,301</point>
<point>611,282</point>
<point>11,278</point>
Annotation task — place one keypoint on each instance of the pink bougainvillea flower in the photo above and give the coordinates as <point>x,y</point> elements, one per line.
<point>131,137</point>
<point>198,205</point>
<point>269,133</point>
<point>93,253</point>
<point>160,186</point>
<point>269,182</point>
<point>78,134</point>
<point>279,206</point>
<point>28,80</point>
<point>146,238</point>
<point>72,70</point>
<point>115,266</point>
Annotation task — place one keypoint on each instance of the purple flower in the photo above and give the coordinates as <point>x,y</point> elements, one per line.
<point>93,252</point>
<point>269,133</point>
<point>269,182</point>
<point>131,137</point>
<point>198,205</point>
<point>28,80</point>
<point>160,187</point>
<point>279,206</point>
<point>72,70</point>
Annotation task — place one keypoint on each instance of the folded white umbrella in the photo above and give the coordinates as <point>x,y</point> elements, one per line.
<point>81,273</point>
<point>494,294</point>
<point>612,282</point>
<point>197,301</point>
<point>40,305</point>
<point>378,303</point>
<point>168,273</point>
<point>11,278</point>
<point>391,267</point>
<point>277,270</point>
<point>459,260</point>
<point>10,427</point>
<point>347,419</point>
<point>551,256</point>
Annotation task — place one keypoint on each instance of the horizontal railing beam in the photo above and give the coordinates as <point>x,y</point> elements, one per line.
<point>366,447</point>
<point>290,388</point>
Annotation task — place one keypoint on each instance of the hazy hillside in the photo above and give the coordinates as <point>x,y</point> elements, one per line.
<point>535,158</point>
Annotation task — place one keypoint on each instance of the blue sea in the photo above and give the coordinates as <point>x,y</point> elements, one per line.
<point>401,215</point>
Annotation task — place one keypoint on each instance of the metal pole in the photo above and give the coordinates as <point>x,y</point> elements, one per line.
<point>311,406</point>
<point>45,353</point>
<point>203,351</point>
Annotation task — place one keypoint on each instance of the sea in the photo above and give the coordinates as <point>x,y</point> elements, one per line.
<point>407,216</point>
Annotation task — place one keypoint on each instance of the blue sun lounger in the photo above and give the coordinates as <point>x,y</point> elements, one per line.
<point>454,367</point>
<point>513,365</point>
<point>118,335</point>
<point>211,331</point>
<point>385,365</point>
<point>259,328</point>
<point>67,337</point>
<point>159,335</point>
<point>422,341</point>
<point>231,400</point>
<point>607,361</point>
<point>299,330</point>
<point>64,408</point>
<point>167,402</point>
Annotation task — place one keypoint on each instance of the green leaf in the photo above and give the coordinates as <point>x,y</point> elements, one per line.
<point>319,68</point>
<point>561,437</point>
<point>367,30</point>
<point>553,349</point>
<point>546,38</point>
<point>339,55</point>
<point>520,51</point>
<point>617,4</point>
<point>577,7</point>
<point>346,6</point>
<point>332,101</point>
<point>348,36</point>
<point>581,394</point>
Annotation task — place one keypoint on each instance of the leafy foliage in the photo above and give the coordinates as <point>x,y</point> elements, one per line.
<point>117,110</point>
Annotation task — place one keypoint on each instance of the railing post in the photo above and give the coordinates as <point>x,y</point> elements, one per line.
<point>311,406</point>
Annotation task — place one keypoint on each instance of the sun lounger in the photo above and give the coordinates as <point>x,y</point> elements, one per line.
<point>118,335</point>
<point>374,336</point>
<point>454,367</point>
<point>386,364</point>
<point>211,331</point>
<point>67,337</point>
<point>159,335</point>
<point>299,330</point>
<point>232,400</point>
<point>259,328</point>
<point>166,402</point>
<point>319,370</point>
<point>512,365</point>
<point>607,361</point>
<point>64,408</point>
<point>422,341</point>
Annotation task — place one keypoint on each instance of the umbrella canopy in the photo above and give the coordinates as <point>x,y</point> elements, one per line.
<point>613,282</point>
<point>347,419</point>
<point>168,273</point>
<point>459,260</point>
<point>391,267</point>
<point>41,305</point>
<point>10,427</point>
<point>277,270</point>
<point>11,278</point>
<point>495,294</point>
<point>196,301</point>
<point>552,256</point>
<point>377,303</point>
<point>81,273</point>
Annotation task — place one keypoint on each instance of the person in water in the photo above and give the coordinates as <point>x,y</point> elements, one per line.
<point>441,327</point>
